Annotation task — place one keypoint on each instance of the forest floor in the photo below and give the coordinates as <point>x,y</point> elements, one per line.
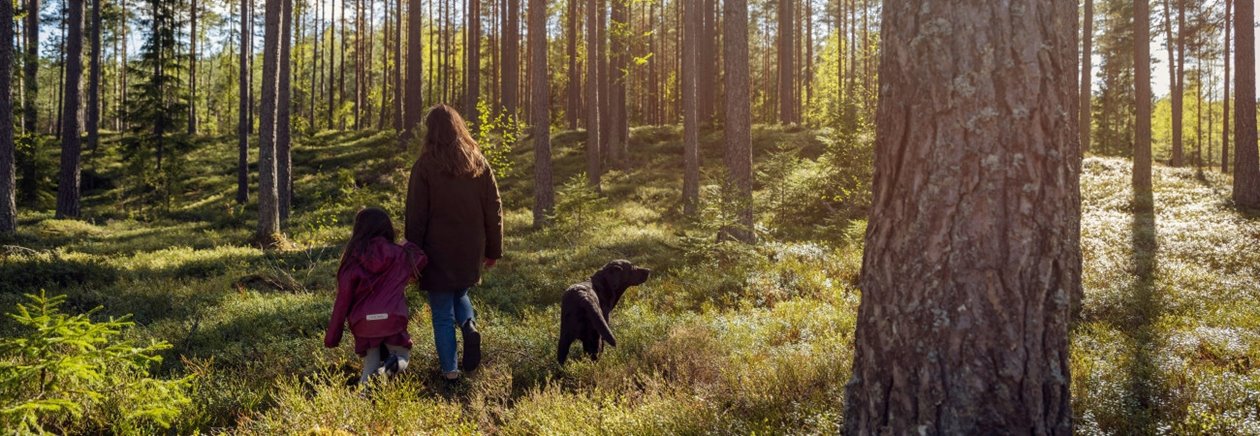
<point>724,338</point>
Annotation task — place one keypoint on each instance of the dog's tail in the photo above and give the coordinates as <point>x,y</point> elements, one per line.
<point>596,318</point>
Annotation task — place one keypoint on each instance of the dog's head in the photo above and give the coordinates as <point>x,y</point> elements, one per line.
<point>618,275</point>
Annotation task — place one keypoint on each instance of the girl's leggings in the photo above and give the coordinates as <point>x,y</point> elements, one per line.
<point>373,360</point>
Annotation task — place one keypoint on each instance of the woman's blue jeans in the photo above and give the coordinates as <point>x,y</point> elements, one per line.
<point>450,309</point>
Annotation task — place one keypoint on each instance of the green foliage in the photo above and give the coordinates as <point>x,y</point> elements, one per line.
<point>69,373</point>
<point>496,133</point>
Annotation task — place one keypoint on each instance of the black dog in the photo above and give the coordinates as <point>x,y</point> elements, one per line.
<point>585,307</point>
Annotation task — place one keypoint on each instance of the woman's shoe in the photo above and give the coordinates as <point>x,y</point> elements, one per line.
<point>472,345</point>
<point>451,375</point>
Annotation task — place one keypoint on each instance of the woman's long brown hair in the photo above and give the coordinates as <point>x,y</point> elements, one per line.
<point>369,223</point>
<point>449,145</point>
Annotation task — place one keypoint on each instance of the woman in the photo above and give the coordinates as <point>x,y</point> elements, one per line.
<point>455,216</point>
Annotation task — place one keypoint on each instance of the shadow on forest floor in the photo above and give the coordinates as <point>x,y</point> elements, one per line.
<point>1144,307</point>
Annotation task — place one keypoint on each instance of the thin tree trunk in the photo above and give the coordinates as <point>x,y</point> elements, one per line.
<point>414,101</point>
<point>243,120</point>
<point>691,116</point>
<point>1176,85</point>
<point>68,188</point>
<point>1246,159</point>
<point>192,69</point>
<point>268,190</point>
<point>1229,24</point>
<point>8,167</point>
<point>511,52</point>
<point>540,86</point>
<point>616,82</point>
<point>1142,81</point>
<point>786,64</point>
<point>738,121</point>
<point>963,324</point>
<point>593,152</point>
<point>341,70</point>
<point>94,79</point>
<point>1087,80</point>
<point>575,78</point>
<point>30,66</point>
<point>398,78</point>
<point>284,159</point>
<point>473,66</point>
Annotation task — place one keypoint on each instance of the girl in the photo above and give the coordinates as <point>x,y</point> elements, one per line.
<point>454,214</point>
<point>371,285</point>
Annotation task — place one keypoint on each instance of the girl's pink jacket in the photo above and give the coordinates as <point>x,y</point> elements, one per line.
<point>371,295</point>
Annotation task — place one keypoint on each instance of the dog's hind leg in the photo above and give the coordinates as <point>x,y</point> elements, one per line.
<point>592,345</point>
<point>566,340</point>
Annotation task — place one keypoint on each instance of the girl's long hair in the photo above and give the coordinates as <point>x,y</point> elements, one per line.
<point>449,145</point>
<point>369,223</point>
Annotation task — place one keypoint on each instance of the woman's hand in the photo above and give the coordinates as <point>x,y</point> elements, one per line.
<point>489,263</point>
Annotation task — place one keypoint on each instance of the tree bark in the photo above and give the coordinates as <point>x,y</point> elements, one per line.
<point>738,124</point>
<point>575,78</point>
<point>1176,90</point>
<point>593,152</point>
<point>973,243</point>
<point>540,86</point>
<point>94,79</point>
<point>691,115</point>
<point>617,82</point>
<point>1087,79</point>
<point>268,190</point>
<point>1246,162</point>
<point>787,68</point>
<point>473,65</point>
<point>284,157</point>
<point>8,167</point>
<point>244,99</point>
<point>1225,112</point>
<point>398,80</point>
<point>192,69</point>
<point>1142,86</point>
<point>511,54</point>
<point>68,189</point>
<point>30,66</point>
<point>414,96</point>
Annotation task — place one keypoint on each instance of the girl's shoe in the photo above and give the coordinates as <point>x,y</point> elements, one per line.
<point>472,345</point>
<point>451,375</point>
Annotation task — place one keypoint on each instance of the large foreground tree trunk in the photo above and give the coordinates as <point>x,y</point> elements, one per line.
<point>8,168</point>
<point>1246,159</point>
<point>71,146</point>
<point>738,117</point>
<point>973,250</point>
<point>540,114</point>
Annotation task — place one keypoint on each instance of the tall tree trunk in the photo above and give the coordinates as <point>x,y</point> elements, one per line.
<point>192,69</point>
<point>385,52</point>
<point>398,80</point>
<point>284,159</point>
<point>68,188</point>
<point>1246,159</point>
<point>414,101</point>
<point>1176,90</point>
<point>341,69</point>
<point>1225,113</point>
<point>243,96</point>
<point>358,65</point>
<point>809,55</point>
<point>268,190</point>
<point>473,64</point>
<point>94,79</point>
<point>540,86</point>
<point>332,61</point>
<point>973,246</point>
<point>691,116</point>
<point>738,123</point>
<point>8,167</point>
<point>511,53</point>
<point>1142,83</point>
<point>616,82</point>
<point>56,127</point>
<point>574,80</point>
<point>593,153</point>
<point>30,66</point>
<point>787,68</point>
<point>706,59</point>
<point>1087,79</point>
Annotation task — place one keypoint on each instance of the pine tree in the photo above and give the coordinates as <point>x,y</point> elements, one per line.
<point>68,202</point>
<point>1246,159</point>
<point>691,115</point>
<point>8,167</point>
<point>738,120</point>
<point>540,114</point>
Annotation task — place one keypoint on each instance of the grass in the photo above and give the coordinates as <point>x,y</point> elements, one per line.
<point>724,338</point>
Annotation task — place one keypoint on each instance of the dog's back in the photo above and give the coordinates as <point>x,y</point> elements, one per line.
<point>581,319</point>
